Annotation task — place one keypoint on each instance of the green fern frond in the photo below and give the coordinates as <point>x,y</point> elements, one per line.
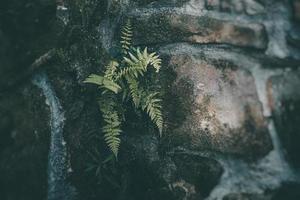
<point>155,61</point>
<point>111,69</point>
<point>134,91</point>
<point>125,91</point>
<point>143,59</point>
<point>126,78</point>
<point>131,71</point>
<point>126,37</point>
<point>151,104</point>
<point>138,64</point>
<point>112,127</point>
<point>151,59</point>
<point>103,82</point>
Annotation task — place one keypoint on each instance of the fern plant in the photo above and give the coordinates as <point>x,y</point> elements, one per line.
<point>122,82</point>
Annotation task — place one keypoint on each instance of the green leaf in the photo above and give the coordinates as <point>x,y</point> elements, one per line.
<point>103,82</point>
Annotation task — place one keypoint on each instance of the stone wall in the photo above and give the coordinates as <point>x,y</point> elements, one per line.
<point>225,54</point>
<point>229,68</point>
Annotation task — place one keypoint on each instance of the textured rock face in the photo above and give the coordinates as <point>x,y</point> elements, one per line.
<point>246,197</point>
<point>250,7</point>
<point>23,29</point>
<point>230,67</point>
<point>167,27</point>
<point>296,6</point>
<point>224,113</point>
<point>178,175</point>
<point>190,169</point>
<point>286,191</point>
<point>284,97</point>
<point>24,129</point>
<point>157,3</point>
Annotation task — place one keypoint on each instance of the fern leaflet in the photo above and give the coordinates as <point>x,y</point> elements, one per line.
<point>103,82</point>
<point>134,91</point>
<point>112,127</point>
<point>151,104</point>
<point>111,69</point>
<point>126,37</point>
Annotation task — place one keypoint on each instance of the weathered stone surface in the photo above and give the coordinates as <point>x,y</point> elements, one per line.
<point>24,133</point>
<point>287,191</point>
<point>254,7</point>
<point>200,172</point>
<point>212,4</point>
<point>221,107</point>
<point>293,38</point>
<point>6,127</point>
<point>22,23</point>
<point>250,7</point>
<point>284,98</point>
<point>212,104</point>
<point>185,190</point>
<point>179,175</point>
<point>296,7</point>
<point>168,28</point>
<point>140,157</point>
<point>157,3</point>
<point>231,6</point>
<point>243,196</point>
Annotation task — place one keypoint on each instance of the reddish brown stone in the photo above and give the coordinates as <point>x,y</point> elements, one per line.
<point>224,111</point>
<point>296,5</point>
<point>168,28</point>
